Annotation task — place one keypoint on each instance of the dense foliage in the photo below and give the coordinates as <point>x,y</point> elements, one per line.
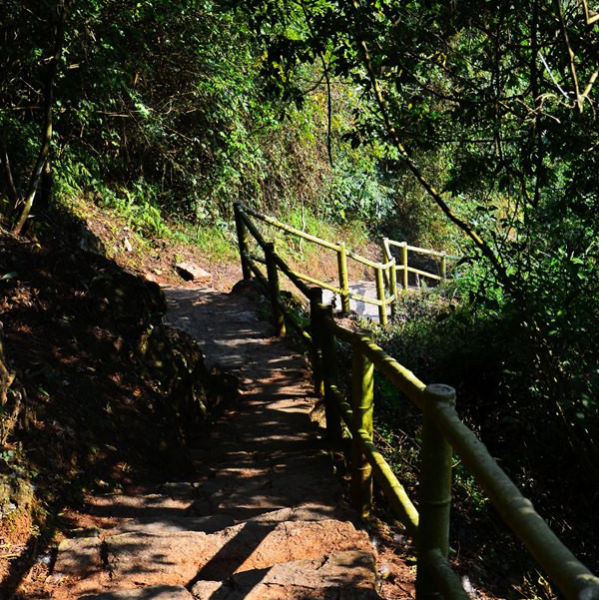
<point>162,104</point>
<point>489,106</point>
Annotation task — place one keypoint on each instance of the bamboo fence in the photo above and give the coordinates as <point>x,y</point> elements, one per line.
<point>443,433</point>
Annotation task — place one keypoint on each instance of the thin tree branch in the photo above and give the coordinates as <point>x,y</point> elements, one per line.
<point>7,172</point>
<point>589,87</point>
<point>587,14</point>
<point>36,174</point>
<point>571,56</point>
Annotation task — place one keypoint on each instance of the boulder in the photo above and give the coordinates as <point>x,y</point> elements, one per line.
<point>192,272</point>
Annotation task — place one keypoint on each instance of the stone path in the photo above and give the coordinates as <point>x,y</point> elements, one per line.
<point>362,309</point>
<point>264,520</point>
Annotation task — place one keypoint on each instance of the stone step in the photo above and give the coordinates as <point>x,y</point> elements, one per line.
<point>157,592</point>
<point>163,553</point>
<point>348,575</point>
<point>141,506</point>
<point>272,488</point>
<point>172,525</point>
<point>245,504</point>
<point>141,559</point>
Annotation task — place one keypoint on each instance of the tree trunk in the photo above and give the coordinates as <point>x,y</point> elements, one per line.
<point>36,175</point>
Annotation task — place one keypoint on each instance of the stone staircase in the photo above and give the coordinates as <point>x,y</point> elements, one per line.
<point>265,517</point>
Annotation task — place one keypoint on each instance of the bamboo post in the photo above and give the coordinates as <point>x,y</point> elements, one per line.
<point>393,286</point>
<point>330,375</point>
<point>343,277</point>
<point>274,288</point>
<point>316,332</point>
<point>404,263</point>
<point>242,240</point>
<point>380,292</point>
<point>444,266</point>
<point>362,407</point>
<point>434,491</point>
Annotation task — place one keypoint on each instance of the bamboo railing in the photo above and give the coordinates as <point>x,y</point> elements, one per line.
<point>404,268</point>
<point>385,274</point>
<point>443,432</point>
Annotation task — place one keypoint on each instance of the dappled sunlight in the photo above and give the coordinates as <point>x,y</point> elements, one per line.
<point>264,514</point>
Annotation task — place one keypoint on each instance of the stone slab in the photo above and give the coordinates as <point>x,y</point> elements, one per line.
<point>158,592</point>
<point>339,576</point>
<point>180,558</point>
<point>192,272</point>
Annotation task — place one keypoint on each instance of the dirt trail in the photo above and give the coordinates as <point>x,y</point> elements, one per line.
<point>263,520</point>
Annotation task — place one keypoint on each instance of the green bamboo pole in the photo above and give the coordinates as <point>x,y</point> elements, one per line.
<point>292,230</point>
<point>380,292</point>
<point>274,288</point>
<point>330,375</point>
<point>570,576</point>
<point>343,277</point>
<point>404,262</point>
<point>393,285</point>
<point>392,489</point>
<point>316,329</point>
<point>447,580</point>
<point>362,407</point>
<point>444,266</point>
<point>242,240</point>
<point>434,491</point>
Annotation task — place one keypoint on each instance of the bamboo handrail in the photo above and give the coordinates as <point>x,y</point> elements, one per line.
<point>386,478</point>
<point>254,231</point>
<point>405,267</point>
<point>426,251</point>
<point>423,273</point>
<point>419,250</point>
<point>569,574</point>
<point>302,234</point>
<point>443,427</point>
<point>241,215</point>
<point>368,262</point>
<point>318,282</point>
<point>299,284</point>
<point>403,378</point>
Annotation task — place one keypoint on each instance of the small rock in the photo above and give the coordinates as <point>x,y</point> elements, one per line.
<point>45,559</point>
<point>192,272</point>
